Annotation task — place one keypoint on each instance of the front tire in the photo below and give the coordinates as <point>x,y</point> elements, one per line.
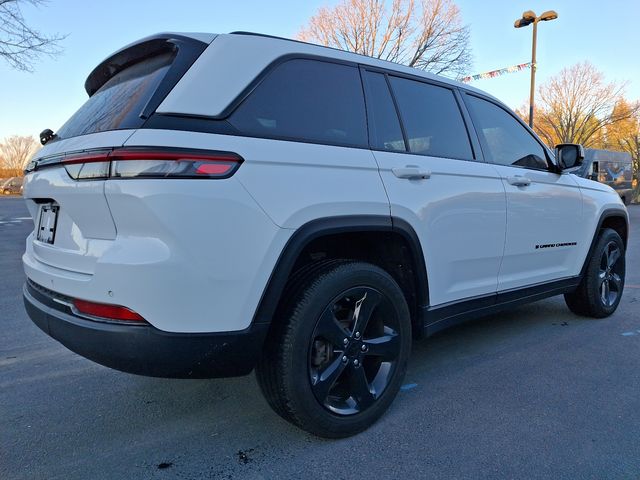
<point>336,359</point>
<point>600,291</point>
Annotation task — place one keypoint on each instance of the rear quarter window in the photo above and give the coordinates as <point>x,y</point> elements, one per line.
<point>306,100</point>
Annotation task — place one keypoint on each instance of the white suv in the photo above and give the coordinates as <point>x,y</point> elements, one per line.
<point>225,202</point>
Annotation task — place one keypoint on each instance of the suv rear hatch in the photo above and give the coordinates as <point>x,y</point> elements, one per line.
<point>64,185</point>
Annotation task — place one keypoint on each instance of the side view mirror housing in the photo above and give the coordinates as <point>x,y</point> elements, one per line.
<point>569,155</point>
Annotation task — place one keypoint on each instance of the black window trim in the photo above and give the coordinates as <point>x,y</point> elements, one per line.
<point>476,152</point>
<point>365,85</point>
<point>551,166</point>
<point>219,124</point>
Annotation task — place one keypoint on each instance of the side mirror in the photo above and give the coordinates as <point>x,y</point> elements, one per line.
<point>569,155</point>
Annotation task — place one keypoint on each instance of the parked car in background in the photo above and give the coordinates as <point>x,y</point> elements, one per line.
<point>225,202</point>
<point>611,168</point>
<point>12,186</point>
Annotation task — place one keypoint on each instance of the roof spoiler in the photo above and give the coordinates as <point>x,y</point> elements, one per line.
<point>187,50</point>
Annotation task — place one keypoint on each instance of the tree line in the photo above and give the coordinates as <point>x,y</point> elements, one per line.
<point>579,106</point>
<point>575,106</point>
<point>15,152</point>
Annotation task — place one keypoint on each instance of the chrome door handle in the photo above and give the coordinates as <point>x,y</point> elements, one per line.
<point>411,172</point>
<point>519,181</point>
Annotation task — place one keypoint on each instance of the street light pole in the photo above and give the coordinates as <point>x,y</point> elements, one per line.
<point>533,71</point>
<point>529,17</point>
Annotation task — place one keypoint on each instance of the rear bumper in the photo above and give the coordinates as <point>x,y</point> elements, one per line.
<point>145,350</point>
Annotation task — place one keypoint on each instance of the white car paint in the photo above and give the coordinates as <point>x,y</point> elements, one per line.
<point>459,212</point>
<point>196,256</point>
<point>548,211</point>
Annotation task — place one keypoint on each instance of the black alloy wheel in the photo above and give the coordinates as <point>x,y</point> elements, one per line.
<point>354,350</point>
<point>337,352</point>
<point>602,284</point>
<point>609,275</point>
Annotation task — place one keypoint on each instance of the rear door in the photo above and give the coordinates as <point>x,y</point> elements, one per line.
<point>544,208</point>
<point>436,181</point>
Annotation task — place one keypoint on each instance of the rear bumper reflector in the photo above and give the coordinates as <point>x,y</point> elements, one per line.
<point>106,311</point>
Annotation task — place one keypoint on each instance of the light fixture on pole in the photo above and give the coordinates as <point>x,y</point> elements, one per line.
<point>529,17</point>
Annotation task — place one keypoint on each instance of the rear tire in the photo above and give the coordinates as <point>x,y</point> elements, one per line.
<point>334,361</point>
<point>600,291</point>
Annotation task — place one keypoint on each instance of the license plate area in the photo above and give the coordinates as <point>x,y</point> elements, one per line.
<point>47,223</point>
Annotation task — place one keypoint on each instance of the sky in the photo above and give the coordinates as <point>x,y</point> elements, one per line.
<point>604,33</point>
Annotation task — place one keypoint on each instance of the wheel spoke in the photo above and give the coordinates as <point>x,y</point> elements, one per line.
<point>329,329</point>
<point>613,256</point>
<point>364,309</point>
<point>387,346</point>
<point>605,292</point>
<point>602,276</point>
<point>324,381</point>
<point>360,389</point>
<point>617,282</point>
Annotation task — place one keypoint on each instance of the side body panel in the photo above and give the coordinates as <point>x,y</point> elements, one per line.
<point>459,214</point>
<point>294,182</point>
<point>598,200</point>
<point>222,239</point>
<point>545,228</point>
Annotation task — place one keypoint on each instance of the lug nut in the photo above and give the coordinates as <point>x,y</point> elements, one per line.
<point>357,334</point>
<point>344,359</point>
<point>345,341</point>
<point>356,362</point>
<point>363,348</point>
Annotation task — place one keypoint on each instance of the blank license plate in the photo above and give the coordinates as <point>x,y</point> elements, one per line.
<point>47,224</point>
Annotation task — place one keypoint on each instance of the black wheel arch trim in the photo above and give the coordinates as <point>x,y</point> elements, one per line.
<point>606,214</point>
<point>331,226</point>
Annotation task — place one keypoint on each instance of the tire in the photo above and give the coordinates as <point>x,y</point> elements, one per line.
<point>600,291</point>
<point>319,371</point>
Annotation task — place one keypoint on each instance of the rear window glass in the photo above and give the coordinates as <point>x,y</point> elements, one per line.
<point>306,100</point>
<point>119,102</point>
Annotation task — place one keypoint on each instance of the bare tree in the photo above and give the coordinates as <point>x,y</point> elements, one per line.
<point>21,45</point>
<point>15,151</point>
<point>430,35</point>
<point>624,134</point>
<point>577,105</point>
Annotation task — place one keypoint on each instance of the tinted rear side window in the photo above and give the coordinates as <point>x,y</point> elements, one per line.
<point>119,102</point>
<point>306,100</point>
<point>432,119</point>
<point>384,127</point>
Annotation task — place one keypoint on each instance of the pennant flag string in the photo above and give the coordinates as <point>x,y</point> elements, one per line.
<point>497,73</point>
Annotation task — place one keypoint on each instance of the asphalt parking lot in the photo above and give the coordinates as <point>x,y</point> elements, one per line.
<point>533,393</point>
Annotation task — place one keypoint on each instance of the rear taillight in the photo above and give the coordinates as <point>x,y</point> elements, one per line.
<point>107,312</point>
<point>94,165</point>
<point>142,162</point>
